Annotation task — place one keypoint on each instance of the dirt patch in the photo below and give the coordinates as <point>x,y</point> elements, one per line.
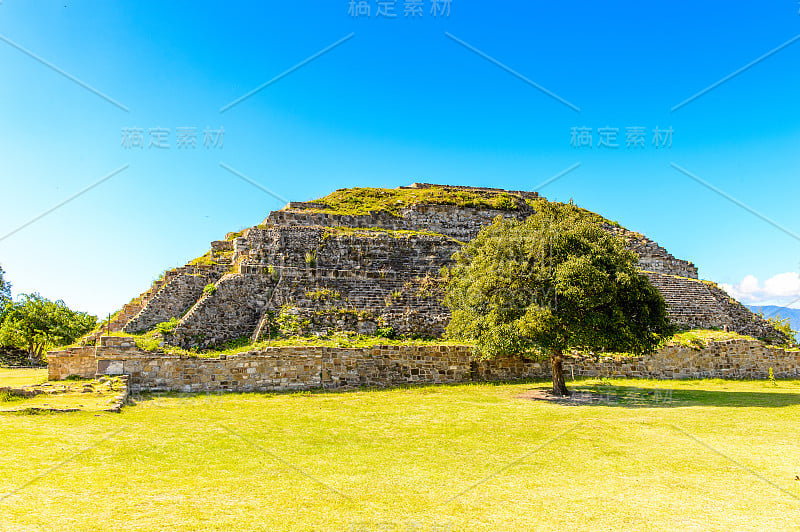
<point>577,398</point>
<point>618,396</point>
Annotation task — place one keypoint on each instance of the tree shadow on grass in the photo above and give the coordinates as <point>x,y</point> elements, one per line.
<point>657,397</point>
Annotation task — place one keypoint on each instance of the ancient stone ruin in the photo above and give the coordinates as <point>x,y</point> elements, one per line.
<point>367,261</point>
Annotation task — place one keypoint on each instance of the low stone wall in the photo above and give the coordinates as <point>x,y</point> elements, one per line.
<point>306,368</point>
<point>725,359</point>
<point>290,368</point>
<point>78,361</point>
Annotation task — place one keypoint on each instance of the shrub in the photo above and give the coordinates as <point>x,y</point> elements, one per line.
<point>324,294</point>
<point>785,327</point>
<point>209,289</point>
<point>167,327</point>
<point>504,202</point>
<point>386,332</point>
<point>290,323</point>
<point>311,258</point>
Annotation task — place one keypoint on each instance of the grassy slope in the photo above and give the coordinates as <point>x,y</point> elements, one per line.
<point>469,457</point>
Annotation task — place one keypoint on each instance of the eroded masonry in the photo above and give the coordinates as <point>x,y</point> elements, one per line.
<point>331,271</point>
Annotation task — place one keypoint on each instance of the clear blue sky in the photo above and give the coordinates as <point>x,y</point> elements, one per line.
<point>400,101</point>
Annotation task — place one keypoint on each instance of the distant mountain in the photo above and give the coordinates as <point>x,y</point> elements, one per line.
<point>771,311</point>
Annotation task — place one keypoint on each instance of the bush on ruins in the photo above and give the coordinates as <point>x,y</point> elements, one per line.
<point>549,285</point>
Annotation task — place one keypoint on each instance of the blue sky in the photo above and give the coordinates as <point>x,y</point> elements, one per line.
<point>401,100</point>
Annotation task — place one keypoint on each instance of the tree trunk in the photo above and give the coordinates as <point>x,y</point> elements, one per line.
<point>559,386</point>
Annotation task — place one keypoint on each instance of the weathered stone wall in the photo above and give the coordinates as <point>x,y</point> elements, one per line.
<point>725,359</point>
<point>742,319</point>
<point>80,361</point>
<point>461,223</point>
<point>291,368</point>
<point>373,274</point>
<point>171,301</point>
<point>231,311</point>
<point>322,249</point>
<point>653,257</point>
<point>304,368</point>
<point>135,307</point>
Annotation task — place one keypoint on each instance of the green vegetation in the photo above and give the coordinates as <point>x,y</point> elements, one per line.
<point>16,378</point>
<point>153,340</point>
<point>584,214</point>
<point>166,327</point>
<point>375,231</point>
<point>311,258</point>
<point>356,201</point>
<point>209,289</point>
<point>662,455</point>
<point>700,338</point>
<point>5,294</point>
<point>290,323</point>
<point>385,332</point>
<point>553,283</point>
<point>234,235</point>
<point>324,294</point>
<point>785,327</point>
<point>270,270</point>
<point>212,258</point>
<point>36,324</point>
<point>207,259</point>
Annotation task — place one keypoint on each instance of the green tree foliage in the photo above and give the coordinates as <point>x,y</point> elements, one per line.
<point>35,323</point>
<point>551,284</point>
<point>5,294</point>
<point>784,326</point>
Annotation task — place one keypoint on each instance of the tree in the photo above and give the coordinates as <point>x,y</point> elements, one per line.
<point>554,283</point>
<point>5,294</point>
<point>36,323</point>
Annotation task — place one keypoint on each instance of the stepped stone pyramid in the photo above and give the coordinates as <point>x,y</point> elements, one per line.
<point>365,259</point>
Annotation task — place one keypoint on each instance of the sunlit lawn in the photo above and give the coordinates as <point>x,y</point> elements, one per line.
<point>720,455</point>
<point>70,394</point>
<point>22,377</point>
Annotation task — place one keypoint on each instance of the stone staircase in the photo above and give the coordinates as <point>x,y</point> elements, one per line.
<point>690,302</point>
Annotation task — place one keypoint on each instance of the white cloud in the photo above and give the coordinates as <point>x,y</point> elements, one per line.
<point>782,289</point>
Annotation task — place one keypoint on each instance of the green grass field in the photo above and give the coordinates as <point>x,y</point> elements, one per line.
<point>692,455</point>
<point>22,377</point>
